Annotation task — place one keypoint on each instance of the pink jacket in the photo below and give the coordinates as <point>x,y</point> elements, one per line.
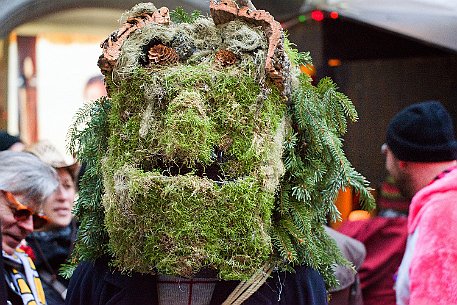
<point>433,269</point>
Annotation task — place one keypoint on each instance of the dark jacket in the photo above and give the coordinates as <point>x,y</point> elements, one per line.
<point>51,250</point>
<point>95,283</point>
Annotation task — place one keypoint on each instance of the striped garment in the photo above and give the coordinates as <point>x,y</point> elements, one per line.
<point>23,278</point>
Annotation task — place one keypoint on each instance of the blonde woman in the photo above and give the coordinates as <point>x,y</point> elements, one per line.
<point>53,244</point>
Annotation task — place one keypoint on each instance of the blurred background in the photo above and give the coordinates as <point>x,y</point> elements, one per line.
<point>383,54</point>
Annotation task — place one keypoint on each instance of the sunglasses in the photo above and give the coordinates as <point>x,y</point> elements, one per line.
<point>22,212</point>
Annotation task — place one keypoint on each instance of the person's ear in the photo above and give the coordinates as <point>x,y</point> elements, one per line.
<point>402,164</point>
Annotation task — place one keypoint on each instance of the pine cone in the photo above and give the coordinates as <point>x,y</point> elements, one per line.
<point>104,65</point>
<point>162,55</point>
<point>226,58</point>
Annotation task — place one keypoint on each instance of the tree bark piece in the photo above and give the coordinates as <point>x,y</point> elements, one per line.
<point>112,45</point>
<point>277,65</point>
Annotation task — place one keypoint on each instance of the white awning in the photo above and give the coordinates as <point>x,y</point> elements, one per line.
<point>430,21</point>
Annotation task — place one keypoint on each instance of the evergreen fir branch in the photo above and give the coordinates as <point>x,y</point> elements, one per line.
<point>336,117</point>
<point>179,15</point>
<point>311,247</point>
<point>361,187</point>
<point>87,139</point>
<point>283,244</point>
<point>318,131</point>
<point>303,97</point>
<point>79,120</point>
<point>326,84</point>
<point>301,193</point>
<point>284,199</point>
<point>66,270</point>
<point>293,163</point>
<point>328,255</point>
<point>293,230</point>
<point>335,183</point>
<point>317,173</point>
<point>348,107</point>
<point>290,160</point>
<point>301,217</point>
<point>339,105</point>
<point>334,214</point>
<point>296,57</point>
<point>319,255</point>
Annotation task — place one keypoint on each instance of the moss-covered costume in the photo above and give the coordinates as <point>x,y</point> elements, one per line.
<point>212,152</point>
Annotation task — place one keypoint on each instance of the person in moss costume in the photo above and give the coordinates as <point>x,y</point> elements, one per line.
<point>212,161</point>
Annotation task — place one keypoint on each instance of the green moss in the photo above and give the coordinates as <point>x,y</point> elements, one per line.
<point>202,108</point>
<point>172,220</point>
<point>188,133</point>
<point>181,116</point>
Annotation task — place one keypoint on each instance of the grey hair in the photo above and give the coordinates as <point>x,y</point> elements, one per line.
<point>24,173</point>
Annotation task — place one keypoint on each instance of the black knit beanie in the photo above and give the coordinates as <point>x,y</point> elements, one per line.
<point>422,132</point>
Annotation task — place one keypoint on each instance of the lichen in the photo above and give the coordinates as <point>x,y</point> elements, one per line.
<point>138,9</point>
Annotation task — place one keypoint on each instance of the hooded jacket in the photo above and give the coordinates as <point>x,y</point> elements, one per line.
<point>429,267</point>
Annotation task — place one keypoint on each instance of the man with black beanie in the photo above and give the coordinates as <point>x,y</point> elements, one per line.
<point>421,153</point>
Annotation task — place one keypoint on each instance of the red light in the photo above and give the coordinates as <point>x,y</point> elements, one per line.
<point>317,15</point>
<point>334,15</point>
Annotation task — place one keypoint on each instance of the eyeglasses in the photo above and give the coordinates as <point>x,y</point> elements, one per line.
<point>22,212</point>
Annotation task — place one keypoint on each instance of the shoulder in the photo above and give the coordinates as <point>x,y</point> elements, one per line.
<point>96,283</point>
<point>434,202</point>
<point>304,286</point>
<point>352,249</point>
